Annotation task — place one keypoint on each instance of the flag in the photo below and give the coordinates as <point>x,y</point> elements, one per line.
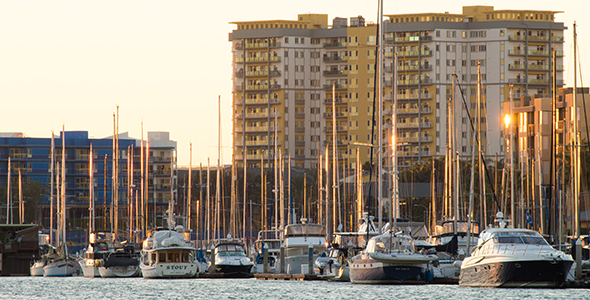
<point>529,219</point>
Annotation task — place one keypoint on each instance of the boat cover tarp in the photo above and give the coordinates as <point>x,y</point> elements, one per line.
<point>121,262</point>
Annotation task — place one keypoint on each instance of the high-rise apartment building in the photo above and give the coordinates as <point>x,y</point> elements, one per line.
<point>284,72</point>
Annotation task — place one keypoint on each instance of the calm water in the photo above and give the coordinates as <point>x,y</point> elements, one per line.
<point>139,288</point>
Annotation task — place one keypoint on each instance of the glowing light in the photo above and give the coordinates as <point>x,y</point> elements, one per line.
<point>507,120</point>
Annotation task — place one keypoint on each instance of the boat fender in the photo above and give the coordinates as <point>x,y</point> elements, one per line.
<point>97,263</point>
<point>428,276</point>
<point>457,264</point>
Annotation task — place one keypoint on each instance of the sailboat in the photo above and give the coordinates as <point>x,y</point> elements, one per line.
<point>62,264</point>
<point>389,258</point>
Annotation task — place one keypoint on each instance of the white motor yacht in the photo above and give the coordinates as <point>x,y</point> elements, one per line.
<point>231,260</point>
<point>120,262</point>
<point>270,241</point>
<point>166,254</point>
<point>510,257</point>
<point>298,239</point>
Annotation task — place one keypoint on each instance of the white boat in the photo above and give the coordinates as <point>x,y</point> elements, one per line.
<point>120,262</point>
<point>390,258</point>
<point>510,257</point>
<point>231,260</point>
<point>47,252</point>
<point>97,250</point>
<point>37,268</point>
<point>166,254</point>
<point>345,246</point>
<point>60,267</point>
<point>298,239</point>
<point>270,241</point>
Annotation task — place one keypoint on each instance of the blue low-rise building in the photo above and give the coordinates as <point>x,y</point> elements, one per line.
<point>32,156</point>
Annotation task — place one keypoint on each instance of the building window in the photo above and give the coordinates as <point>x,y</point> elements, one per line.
<point>286,40</point>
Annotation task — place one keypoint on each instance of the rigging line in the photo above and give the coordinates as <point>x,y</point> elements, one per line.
<point>476,139</point>
<point>373,127</point>
<point>583,100</point>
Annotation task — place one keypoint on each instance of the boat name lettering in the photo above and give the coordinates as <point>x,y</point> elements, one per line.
<point>175,267</point>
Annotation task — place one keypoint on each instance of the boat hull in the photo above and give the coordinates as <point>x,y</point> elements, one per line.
<point>61,268</point>
<point>88,268</point>
<point>294,264</point>
<point>371,271</point>
<point>516,274</point>
<point>37,268</point>
<point>119,271</point>
<point>170,270</point>
<point>235,271</point>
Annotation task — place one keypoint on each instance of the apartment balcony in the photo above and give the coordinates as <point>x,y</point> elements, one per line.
<point>335,72</point>
<point>534,53</point>
<point>334,44</point>
<point>415,68</point>
<point>260,115</point>
<point>413,38</point>
<point>337,86</point>
<point>414,139</point>
<point>413,153</point>
<point>413,110</point>
<point>338,115</point>
<point>241,46</point>
<point>240,101</point>
<point>339,100</point>
<point>533,67</point>
<point>263,143</point>
<point>258,59</point>
<point>259,87</point>
<point>160,158</point>
<point>414,53</point>
<point>415,125</point>
<point>414,96</point>
<point>338,128</point>
<point>533,81</point>
<point>257,73</point>
<point>414,81</point>
<point>262,128</point>
<point>334,58</point>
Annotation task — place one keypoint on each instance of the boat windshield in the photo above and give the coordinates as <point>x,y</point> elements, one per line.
<point>519,238</point>
<point>305,230</point>
<point>230,250</point>
<point>447,227</point>
<point>384,243</point>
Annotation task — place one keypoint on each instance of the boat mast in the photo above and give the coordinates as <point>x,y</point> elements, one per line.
<point>380,118</point>
<point>208,216</point>
<point>63,188</point>
<point>143,214</point>
<point>334,162</point>
<point>8,200</point>
<point>576,149</point>
<point>482,210</point>
<point>21,208</point>
<point>275,187</point>
<point>190,186</point>
<point>512,215</point>
<point>91,191</point>
<point>394,214</point>
<point>51,241</point>
<point>218,185</point>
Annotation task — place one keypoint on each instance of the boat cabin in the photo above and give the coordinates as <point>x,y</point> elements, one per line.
<point>386,243</point>
<point>305,230</point>
<point>230,249</point>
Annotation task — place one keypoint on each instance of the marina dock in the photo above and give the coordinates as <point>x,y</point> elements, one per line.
<point>299,277</point>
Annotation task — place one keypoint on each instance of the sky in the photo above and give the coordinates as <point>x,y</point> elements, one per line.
<point>166,63</point>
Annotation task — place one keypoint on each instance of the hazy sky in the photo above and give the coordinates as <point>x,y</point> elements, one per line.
<point>165,62</point>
